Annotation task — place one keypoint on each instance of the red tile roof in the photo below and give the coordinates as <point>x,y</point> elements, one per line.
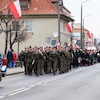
<point>40,7</point>
<point>36,7</point>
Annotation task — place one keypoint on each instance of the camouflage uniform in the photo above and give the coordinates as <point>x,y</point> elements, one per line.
<point>54,57</point>
<point>69,58</point>
<point>61,61</point>
<point>48,66</point>
<point>25,61</point>
<point>29,62</point>
<point>38,64</point>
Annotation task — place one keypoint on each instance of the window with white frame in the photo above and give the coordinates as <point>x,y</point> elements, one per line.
<point>29,26</point>
<point>54,42</point>
<point>48,39</point>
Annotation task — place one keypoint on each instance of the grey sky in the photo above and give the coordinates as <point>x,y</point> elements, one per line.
<point>92,7</point>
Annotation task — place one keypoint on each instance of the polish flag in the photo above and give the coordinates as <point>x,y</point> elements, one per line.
<point>15,9</point>
<point>69,26</point>
<point>58,46</point>
<point>89,34</point>
<point>43,46</point>
<point>76,46</point>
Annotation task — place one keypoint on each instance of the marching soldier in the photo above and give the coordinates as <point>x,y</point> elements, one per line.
<point>25,60</point>
<point>48,64</point>
<point>54,57</point>
<point>29,60</point>
<point>61,63</point>
<point>38,64</point>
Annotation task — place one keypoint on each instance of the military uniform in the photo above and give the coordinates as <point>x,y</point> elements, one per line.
<point>61,61</point>
<point>29,62</point>
<point>54,57</point>
<point>25,61</point>
<point>69,58</point>
<point>48,64</point>
<point>38,64</point>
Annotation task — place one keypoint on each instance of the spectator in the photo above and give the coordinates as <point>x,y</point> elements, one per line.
<point>9,58</point>
<point>14,59</point>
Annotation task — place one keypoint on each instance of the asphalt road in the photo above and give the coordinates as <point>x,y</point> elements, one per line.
<point>79,84</point>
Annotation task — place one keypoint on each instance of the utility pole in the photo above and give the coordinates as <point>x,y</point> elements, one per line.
<point>81,39</point>
<point>60,2</point>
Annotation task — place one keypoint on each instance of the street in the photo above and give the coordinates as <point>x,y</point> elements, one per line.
<point>82,83</point>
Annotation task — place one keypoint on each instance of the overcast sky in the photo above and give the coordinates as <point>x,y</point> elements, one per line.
<point>92,22</point>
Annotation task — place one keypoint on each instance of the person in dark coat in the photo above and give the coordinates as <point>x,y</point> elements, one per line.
<point>9,58</point>
<point>21,58</point>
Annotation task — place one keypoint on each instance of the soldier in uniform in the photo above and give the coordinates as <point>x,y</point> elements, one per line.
<point>48,63</point>
<point>25,60</point>
<point>54,57</point>
<point>69,59</point>
<point>38,64</point>
<point>29,60</point>
<point>61,63</point>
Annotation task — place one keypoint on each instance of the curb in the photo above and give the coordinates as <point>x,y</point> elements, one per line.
<point>14,73</point>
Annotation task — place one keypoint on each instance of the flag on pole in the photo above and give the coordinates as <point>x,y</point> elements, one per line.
<point>89,34</point>
<point>76,46</point>
<point>15,9</point>
<point>58,45</point>
<point>43,46</point>
<point>69,26</point>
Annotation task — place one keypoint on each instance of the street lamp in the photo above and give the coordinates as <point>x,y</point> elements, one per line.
<point>81,22</point>
<point>84,18</point>
<point>60,2</point>
<point>83,26</point>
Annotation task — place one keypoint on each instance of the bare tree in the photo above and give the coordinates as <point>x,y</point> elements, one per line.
<point>16,33</point>
<point>5,20</point>
<point>13,32</point>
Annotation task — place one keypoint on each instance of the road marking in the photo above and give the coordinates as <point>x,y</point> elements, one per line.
<point>13,91</point>
<point>1,97</point>
<point>19,91</point>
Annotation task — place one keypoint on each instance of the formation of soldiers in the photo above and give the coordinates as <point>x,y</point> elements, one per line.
<point>53,60</point>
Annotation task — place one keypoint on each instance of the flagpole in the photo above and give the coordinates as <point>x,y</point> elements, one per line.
<point>58,22</point>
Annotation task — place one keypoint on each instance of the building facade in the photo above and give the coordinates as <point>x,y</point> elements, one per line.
<point>86,41</point>
<point>41,22</point>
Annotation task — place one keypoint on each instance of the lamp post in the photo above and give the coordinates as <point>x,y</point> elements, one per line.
<point>84,18</point>
<point>81,22</point>
<point>60,2</point>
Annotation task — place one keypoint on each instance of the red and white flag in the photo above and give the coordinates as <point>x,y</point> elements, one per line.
<point>43,46</point>
<point>15,9</point>
<point>76,46</point>
<point>69,26</point>
<point>89,34</point>
<point>58,45</point>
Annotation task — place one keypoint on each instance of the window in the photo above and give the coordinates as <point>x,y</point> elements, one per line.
<point>54,42</point>
<point>48,39</point>
<point>29,26</point>
<point>15,26</point>
<point>24,5</point>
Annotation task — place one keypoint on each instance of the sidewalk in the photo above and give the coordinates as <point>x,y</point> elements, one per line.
<point>13,71</point>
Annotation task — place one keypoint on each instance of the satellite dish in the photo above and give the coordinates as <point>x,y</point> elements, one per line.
<point>55,34</point>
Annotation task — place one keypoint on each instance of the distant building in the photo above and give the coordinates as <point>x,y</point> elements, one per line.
<point>76,35</point>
